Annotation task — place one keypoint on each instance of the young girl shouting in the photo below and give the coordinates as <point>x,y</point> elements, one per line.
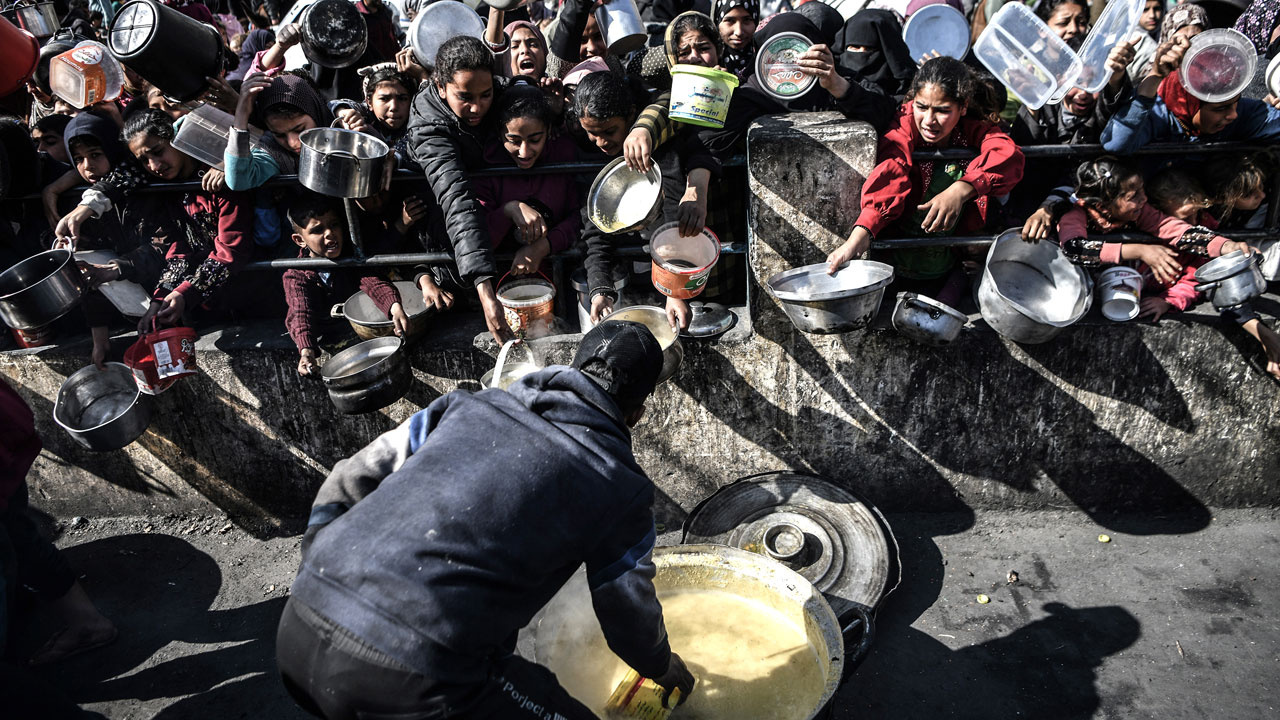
<point>932,198</point>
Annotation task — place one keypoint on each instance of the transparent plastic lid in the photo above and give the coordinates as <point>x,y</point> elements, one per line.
<point>1116,25</point>
<point>1219,65</point>
<point>203,133</point>
<point>936,28</point>
<point>1026,56</point>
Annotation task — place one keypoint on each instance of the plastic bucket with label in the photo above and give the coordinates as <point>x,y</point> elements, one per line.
<point>528,304</point>
<point>700,96</point>
<point>159,358</point>
<point>1119,290</point>
<point>86,74</point>
<point>681,264</point>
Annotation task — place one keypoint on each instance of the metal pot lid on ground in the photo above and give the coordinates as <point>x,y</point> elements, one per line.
<point>708,320</point>
<point>816,528</point>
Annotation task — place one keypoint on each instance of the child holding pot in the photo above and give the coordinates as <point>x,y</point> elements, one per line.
<point>320,231</point>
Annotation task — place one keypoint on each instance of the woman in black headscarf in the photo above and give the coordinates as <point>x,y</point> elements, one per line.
<point>871,48</point>
<point>736,21</point>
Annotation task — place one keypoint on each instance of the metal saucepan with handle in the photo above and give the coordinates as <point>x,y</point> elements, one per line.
<point>368,376</point>
<point>368,323</point>
<point>40,289</point>
<point>926,320</point>
<point>1232,280</point>
<point>102,410</point>
<point>342,163</point>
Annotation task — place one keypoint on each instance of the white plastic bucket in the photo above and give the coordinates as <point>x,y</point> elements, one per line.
<point>700,96</point>
<point>1119,290</point>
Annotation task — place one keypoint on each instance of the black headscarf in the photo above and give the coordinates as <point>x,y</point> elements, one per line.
<point>888,62</point>
<point>828,19</point>
<point>255,42</point>
<point>105,132</point>
<point>298,92</point>
<point>738,62</point>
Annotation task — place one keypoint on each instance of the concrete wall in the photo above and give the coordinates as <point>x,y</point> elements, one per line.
<point>1104,418</point>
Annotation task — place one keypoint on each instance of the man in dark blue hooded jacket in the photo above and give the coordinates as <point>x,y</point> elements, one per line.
<point>429,549</point>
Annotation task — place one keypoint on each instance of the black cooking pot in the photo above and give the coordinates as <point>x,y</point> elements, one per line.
<point>168,49</point>
<point>334,33</point>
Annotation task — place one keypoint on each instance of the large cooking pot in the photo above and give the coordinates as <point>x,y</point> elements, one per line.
<point>368,323</point>
<point>621,199</point>
<point>39,19</point>
<point>1232,280</point>
<point>655,318</point>
<point>168,49</point>
<point>334,33</point>
<point>1030,292</point>
<point>816,302</point>
<point>102,409</point>
<point>926,320</point>
<point>19,55</point>
<point>568,639</point>
<point>368,376</point>
<point>341,163</point>
<point>40,289</point>
<point>439,22</point>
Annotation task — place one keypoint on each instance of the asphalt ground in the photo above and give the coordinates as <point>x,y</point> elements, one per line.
<point>1170,619</point>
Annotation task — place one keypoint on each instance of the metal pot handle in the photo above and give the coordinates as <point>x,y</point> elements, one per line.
<point>337,311</point>
<point>863,620</point>
<point>1206,287</point>
<point>912,300</point>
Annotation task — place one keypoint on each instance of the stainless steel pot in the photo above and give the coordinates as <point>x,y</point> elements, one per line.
<point>39,19</point>
<point>568,639</point>
<point>1030,292</point>
<point>655,318</point>
<point>1232,280</point>
<point>825,304</point>
<point>926,320</point>
<point>341,163</point>
<point>368,376</point>
<point>368,323</point>
<point>102,409</point>
<point>40,289</point>
<point>438,22</point>
<point>622,200</point>
<point>621,26</point>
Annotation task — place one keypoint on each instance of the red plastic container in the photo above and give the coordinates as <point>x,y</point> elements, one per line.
<point>160,357</point>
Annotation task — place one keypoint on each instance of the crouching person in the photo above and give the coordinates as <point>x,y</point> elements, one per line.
<point>422,560</point>
<point>320,231</point>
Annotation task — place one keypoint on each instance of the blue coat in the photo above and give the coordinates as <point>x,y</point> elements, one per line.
<point>1146,120</point>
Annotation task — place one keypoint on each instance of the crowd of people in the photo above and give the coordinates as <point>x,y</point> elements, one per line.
<point>542,87</point>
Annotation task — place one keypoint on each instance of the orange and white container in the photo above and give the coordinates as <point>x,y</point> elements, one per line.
<point>681,264</point>
<point>86,74</point>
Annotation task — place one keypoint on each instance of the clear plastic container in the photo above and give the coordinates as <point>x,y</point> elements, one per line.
<point>1026,56</point>
<point>1116,25</point>
<point>86,75</point>
<point>203,135</point>
<point>1219,65</point>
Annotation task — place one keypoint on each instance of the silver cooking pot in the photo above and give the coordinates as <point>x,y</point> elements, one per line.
<point>40,289</point>
<point>816,302</point>
<point>102,409</point>
<point>367,376</point>
<point>926,320</point>
<point>368,323</point>
<point>39,19</point>
<point>1232,280</point>
<point>1031,291</point>
<point>342,163</point>
<point>334,34</point>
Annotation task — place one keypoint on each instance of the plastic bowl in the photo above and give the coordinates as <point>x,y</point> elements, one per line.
<point>1219,65</point>
<point>1026,56</point>
<point>1115,26</point>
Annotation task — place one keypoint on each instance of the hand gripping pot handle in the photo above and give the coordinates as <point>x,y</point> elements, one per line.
<point>1215,284</point>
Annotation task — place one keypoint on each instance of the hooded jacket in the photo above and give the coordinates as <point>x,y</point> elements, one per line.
<point>437,542</point>
<point>446,150</point>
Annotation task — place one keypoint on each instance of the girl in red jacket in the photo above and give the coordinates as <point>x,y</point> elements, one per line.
<point>931,197</point>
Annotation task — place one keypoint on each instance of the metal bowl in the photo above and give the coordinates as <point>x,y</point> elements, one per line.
<point>622,200</point>
<point>102,409</point>
<point>926,320</point>
<point>438,22</point>
<point>40,289</point>
<point>655,318</point>
<point>825,304</point>
<point>1030,292</point>
<point>341,163</point>
<point>368,323</point>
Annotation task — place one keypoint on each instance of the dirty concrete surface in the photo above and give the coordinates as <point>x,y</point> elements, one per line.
<point>1169,620</point>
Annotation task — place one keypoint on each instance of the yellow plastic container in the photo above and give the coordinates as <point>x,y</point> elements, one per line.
<point>700,96</point>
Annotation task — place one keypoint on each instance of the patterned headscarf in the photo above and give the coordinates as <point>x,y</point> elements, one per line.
<point>1182,16</point>
<point>1258,22</point>
<point>720,8</point>
<point>371,75</point>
